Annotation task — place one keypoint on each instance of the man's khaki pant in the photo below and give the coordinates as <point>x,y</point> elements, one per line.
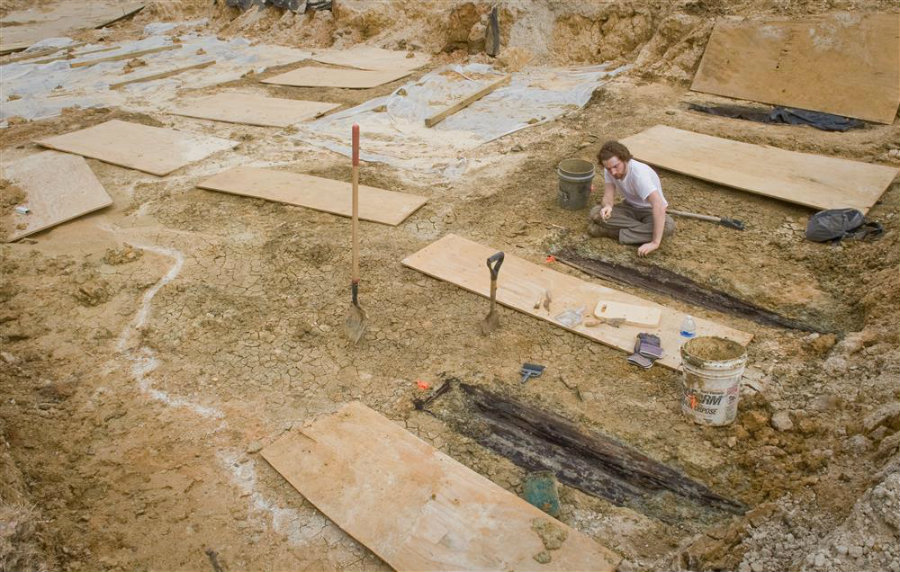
<point>628,224</point>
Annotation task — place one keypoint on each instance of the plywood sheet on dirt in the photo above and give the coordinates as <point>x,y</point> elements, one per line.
<point>20,29</point>
<point>154,150</point>
<point>317,193</point>
<point>372,58</point>
<point>252,109</point>
<point>415,507</point>
<point>58,187</point>
<point>521,284</point>
<point>846,64</point>
<point>313,76</point>
<point>811,180</point>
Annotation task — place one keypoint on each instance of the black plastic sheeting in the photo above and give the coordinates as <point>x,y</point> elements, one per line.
<point>819,120</point>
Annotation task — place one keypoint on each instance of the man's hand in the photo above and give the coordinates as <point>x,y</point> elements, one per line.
<point>647,248</point>
<point>605,211</point>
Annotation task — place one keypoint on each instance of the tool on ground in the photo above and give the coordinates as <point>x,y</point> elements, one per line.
<point>571,317</point>
<point>492,320</point>
<point>729,222</point>
<point>530,370</point>
<point>356,318</point>
<point>618,313</point>
<point>543,301</point>
<point>647,350</point>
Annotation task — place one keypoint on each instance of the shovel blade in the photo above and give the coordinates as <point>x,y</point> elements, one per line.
<point>356,323</point>
<point>490,323</point>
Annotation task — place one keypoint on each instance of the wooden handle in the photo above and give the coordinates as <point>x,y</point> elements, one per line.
<point>694,215</point>
<point>354,177</point>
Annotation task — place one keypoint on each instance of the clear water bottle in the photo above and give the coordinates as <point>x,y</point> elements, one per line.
<point>688,327</point>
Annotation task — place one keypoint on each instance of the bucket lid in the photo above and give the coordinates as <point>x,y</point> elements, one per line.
<point>713,352</point>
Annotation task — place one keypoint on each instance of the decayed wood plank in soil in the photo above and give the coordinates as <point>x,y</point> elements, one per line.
<point>416,508</point>
<point>842,63</point>
<point>58,187</point>
<point>154,150</point>
<point>814,181</point>
<point>663,281</point>
<point>591,462</point>
<point>522,283</point>
<point>317,193</point>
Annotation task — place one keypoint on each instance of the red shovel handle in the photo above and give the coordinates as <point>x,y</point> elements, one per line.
<point>356,145</point>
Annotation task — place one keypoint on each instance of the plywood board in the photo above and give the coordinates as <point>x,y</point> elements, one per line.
<point>252,109</point>
<point>415,507</point>
<point>317,193</point>
<point>313,76</point>
<point>846,64</point>
<point>154,150</point>
<point>462,262</point>
<point>372,58</point>
<point>159,75</point>
<point>58,187</point>
<point>811,180</point>
<point>22,28</point>
<point>632,314</point>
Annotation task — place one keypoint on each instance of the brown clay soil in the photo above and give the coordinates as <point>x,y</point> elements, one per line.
<point>150,350</point>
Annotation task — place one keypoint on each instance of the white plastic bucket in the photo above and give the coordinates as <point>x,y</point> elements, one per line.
<point>711,383</point>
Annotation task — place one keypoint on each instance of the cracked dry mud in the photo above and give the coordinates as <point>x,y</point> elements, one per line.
<point>150,350</point>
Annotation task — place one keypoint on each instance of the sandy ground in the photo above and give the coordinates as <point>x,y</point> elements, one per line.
<point>152,349</point>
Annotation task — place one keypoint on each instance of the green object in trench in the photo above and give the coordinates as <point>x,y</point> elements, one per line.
<point>541,490</point>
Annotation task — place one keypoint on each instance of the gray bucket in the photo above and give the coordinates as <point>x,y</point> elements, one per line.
<point>575,176</point>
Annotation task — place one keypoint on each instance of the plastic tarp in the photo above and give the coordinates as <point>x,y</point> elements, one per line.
<point>36,91</point>
<point>393,127</point>
<point>817,119</point>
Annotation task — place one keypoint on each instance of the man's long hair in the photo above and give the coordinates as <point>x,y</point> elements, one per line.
<point>612,149</point>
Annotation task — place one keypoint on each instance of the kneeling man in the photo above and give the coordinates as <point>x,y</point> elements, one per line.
<point>641,218</point>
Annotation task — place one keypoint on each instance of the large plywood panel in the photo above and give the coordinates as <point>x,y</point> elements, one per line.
<point>313,76</point>
<point>58,187</point>
<point>20,29</point>
<point>154,150</point>
<point>846,64</point>
<point>372,58</point>
<point>416,508</point>
<point>811,180</point>
<point>376,205</point>
<point>252,109</point>
<point>522,283</point>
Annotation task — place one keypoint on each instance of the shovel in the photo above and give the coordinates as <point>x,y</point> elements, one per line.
<point>492,320</point>
<point>729,222</point>
<point>356,317</point>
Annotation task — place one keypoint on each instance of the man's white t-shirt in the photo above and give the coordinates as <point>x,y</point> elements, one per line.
<point>639,182</point>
